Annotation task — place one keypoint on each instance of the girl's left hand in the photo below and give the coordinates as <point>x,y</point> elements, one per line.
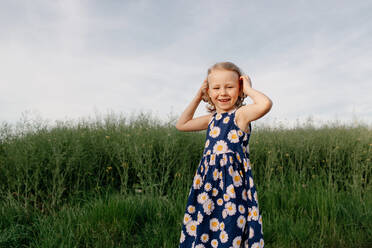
<point>247,84</point>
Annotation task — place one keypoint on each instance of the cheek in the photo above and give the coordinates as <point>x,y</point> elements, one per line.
<point>212,93</point>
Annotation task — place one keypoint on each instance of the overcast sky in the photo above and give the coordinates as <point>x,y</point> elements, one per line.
<point>69,59</point>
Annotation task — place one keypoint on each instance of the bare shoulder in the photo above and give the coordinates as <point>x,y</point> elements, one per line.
<point>241,121</point>
<point>196,124</point>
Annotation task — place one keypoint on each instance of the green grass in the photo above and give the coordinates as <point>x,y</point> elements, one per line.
<point>118,221</point>
<point>124,183</point>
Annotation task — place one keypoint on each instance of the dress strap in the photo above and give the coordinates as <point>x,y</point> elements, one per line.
<point>228,112</point>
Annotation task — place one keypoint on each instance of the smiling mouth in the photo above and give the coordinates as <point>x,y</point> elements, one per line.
<point>224,100</point>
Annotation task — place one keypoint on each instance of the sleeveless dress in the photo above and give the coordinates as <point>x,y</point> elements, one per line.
<point>222,208</point>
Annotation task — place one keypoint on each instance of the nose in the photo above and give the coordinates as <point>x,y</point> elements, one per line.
<point>222,91</point>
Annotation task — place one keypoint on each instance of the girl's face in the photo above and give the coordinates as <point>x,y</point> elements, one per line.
<point>223,89</point>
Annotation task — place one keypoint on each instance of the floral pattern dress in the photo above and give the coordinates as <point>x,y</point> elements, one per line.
<point>222,208</point>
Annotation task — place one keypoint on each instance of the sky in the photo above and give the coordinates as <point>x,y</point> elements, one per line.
<point>67,60</point>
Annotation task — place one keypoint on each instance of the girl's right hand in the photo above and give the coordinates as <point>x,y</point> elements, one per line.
<point>203,91</point>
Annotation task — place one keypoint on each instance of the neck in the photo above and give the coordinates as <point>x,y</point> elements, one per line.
<point>227,111</point>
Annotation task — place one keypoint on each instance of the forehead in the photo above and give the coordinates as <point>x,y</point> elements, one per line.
<point>222,76</point>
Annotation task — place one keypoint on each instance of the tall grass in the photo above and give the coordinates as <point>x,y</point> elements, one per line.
<point>124,183</point>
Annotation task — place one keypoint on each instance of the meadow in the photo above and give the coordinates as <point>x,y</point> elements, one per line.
<point>116,182</point>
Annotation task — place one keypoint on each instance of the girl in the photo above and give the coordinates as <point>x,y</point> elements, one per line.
<point>222,208</point>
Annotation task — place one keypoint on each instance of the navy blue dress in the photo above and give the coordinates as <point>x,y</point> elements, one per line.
<point>222,208</point>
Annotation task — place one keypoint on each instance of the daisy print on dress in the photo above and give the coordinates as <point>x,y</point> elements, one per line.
<point>238,157</point>
<point>222,226</point>
<point>191,209</point>
<point>240,133</point>
<point>214,243</point>
<point>231,191</point>
<point>204,238</point>
<point>256,245</point>
<point>207,187</point>
<point>244,194</point>
<point>214,192</point>
<point>251,232</point>
<point>246,164</point>
<point>182,237</point>
<point>255,213</point>
<point>207,143</point>
<point>197,182</point>
<point>241,209</point>
<point>208,206</point>
<point>226,197</point>
<point>224,213</point>
<point>262,243</point>
<point>255,197</point>
<point>186,219</point>
<point>249,194</point>
<point>213,159</point>
<point>215,174</point>
<point>191,228</point>
<point>220,147</point>
<point>224,237</point>
<point>206,169</point>
<point>233,136</point>
<point>200,218</point>
<point>237,179</point>
<point>231,171</point>
<point>221,184</point>
<point>241,221</point>
<point>251,183</point>
<point>224,160</point>
<point>230,208</point>
<point>237,241</point>
<point>226,119</point>
<point>203,197</point>
<point>214,224</point>
<point>215,131</point>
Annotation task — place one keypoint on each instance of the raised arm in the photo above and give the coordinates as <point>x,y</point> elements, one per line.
<point>186,122</point>
<point>261,104</point>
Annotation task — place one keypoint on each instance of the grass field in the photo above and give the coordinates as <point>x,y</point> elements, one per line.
<point>120,183</point>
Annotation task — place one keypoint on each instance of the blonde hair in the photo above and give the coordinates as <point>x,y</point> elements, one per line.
<point>223,66</point>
